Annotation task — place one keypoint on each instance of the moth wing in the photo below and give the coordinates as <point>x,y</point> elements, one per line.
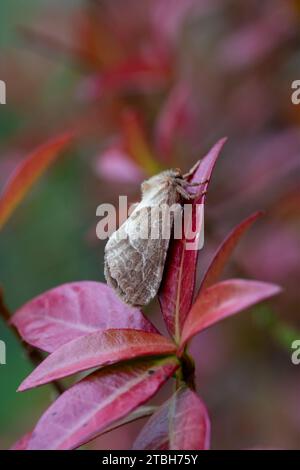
<point>134,264</point>
<point>135,254</point>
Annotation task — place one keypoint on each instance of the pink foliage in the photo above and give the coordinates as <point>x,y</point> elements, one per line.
<point>182,423</point>
<point>73,310</point>
<point>85,326</point>
<point>87,408</point>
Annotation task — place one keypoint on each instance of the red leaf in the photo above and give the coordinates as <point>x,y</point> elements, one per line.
<point>27,172</point>
<point>72,310</point>
<point>22,443</point>
<point>182,423</point>
<point>136,144</point>
<point>139,413</point>
<point>224,252</point>
<point>97,349</point>
<point>176,117</point>
<point>177,288</point>
<point>223,300</point>
<point>133,73</point>
<point>89,407</point>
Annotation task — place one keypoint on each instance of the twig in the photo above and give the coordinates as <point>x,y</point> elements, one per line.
<point>35,356</point>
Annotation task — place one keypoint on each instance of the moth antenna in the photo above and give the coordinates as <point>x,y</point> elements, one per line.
<point>192,170</point>
<point>200,183</point>
<point>184,193</point>
<point>185,183</point>
<point>197,195</point>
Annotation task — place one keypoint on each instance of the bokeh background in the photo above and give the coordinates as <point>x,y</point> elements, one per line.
<point>152,85</point>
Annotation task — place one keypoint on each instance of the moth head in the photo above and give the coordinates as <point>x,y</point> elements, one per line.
<point>167,177</point>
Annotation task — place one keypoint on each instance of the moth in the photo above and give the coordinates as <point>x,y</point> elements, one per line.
<point>134,264</point>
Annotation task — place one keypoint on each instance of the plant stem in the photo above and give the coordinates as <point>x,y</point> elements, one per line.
<point>186,373</point>
<point>35,356</point>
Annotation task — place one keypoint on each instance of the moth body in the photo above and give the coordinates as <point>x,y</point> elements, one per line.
<point>134,258</point>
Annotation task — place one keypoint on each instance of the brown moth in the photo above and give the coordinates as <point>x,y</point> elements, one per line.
<point>134,262</point>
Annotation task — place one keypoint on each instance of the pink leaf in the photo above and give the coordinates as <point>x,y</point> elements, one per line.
<point>171,14</point>
<point>177,288</point>
<point>182,423</point>
<point>139,413</point>
<point>224,252</point>
<point>72,310</point>
<point>135,73</point>
<point>252,43</point>
<point>114,164</point>
<point>205,168</point>
<point>22,443</point>
<point>28,171</point>
<point>177,116</point>
<point>224,300</point>
<point>97,349</point>
<point>90,406</point>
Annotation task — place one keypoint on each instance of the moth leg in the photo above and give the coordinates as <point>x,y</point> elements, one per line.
<point>192,170</point>
<point>198,195</point>
<point>181,182</point>
<point>200,183</point>
<point>185,183</point>
<point>185,194</point>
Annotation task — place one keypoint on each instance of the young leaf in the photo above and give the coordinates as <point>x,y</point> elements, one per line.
<point>135,72</point>
<point>72,310</point>
<point>28,171</point>
<point>223,300</point>
<point>136,144</point>
<point>182,423</point>
<point>224,252</point>
<point>177,116</point>
<point>90,406</point>
<point>139,413</point>
<point>177,288</point>
<point>97,350</point>
<point>22,443</point>
<point>114,164</point>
